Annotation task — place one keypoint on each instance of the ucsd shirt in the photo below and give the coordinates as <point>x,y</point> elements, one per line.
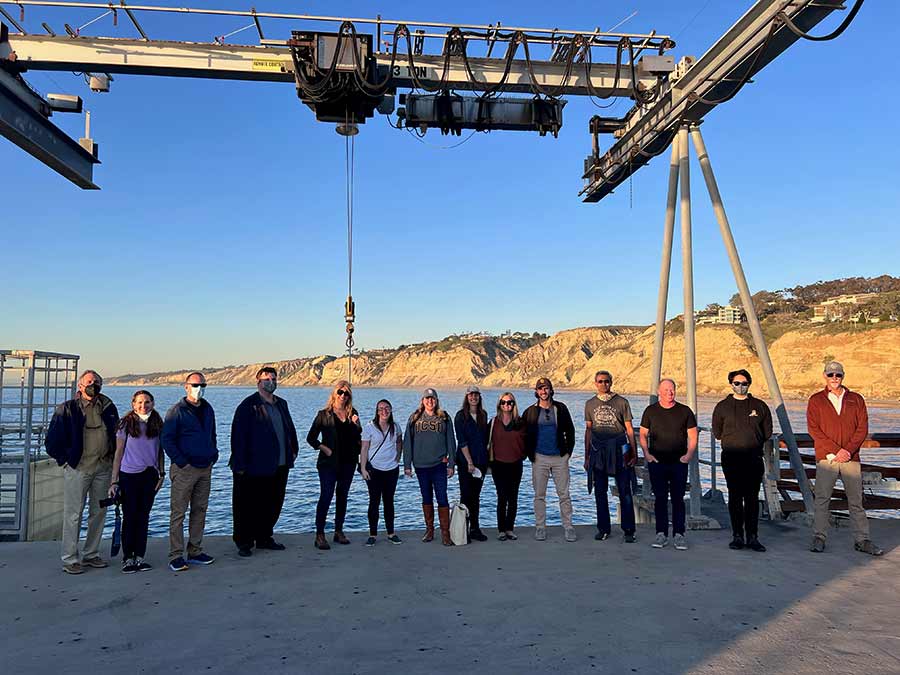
<point>429,441</point>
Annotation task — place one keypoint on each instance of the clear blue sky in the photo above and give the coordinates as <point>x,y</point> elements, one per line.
<point>219,235</point>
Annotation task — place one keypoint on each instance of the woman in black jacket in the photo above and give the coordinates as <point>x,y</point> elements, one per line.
<point>335,433</point>
<point>471,425</point>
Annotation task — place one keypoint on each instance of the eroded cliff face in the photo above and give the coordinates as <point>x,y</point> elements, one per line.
<point>571,357</point>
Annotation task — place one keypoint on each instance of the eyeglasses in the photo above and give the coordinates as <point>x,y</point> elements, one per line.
<point>837,375</point>
<point>604,381</point>
<point>194,384</point>
<point>506,402</point>
<point>384,409</point>
<point>343,392</point>
<point>738,383</point>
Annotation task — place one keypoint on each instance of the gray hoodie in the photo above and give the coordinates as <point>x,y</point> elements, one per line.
<point>428,442</point>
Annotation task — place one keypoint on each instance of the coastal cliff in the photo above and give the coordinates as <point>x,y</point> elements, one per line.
<point>571,357</point>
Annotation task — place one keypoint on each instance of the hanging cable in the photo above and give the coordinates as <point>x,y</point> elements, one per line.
<point>349,306</point>
<point>823,38</point>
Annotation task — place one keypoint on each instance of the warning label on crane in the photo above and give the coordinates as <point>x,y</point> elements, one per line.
<point>268,65</point>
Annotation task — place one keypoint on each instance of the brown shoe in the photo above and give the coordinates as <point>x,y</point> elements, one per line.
<point>339,538</point>
<point>444,517</point>
<point>73,568</point>
<point>97,562</point>
<point>428,511</point>
<point>321,542</point>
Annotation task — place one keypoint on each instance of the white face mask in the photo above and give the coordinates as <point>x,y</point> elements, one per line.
<point>143,417</point>
<point>197,393</point>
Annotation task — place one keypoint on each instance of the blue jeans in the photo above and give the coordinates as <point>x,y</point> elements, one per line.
<point>433,480</point>
<point>626,501</point>
<point>669,479</point>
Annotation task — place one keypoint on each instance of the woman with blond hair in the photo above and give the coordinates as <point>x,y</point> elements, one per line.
<point>506,449</point>
<point>429,446</point>
<point>335,433</point>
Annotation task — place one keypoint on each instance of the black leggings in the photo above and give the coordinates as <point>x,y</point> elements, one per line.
<point>743,476</point>
<point>507,478</point>
<point>470,491</point>
<point>138,491</point>
<point>382,486</point>
<point>330,478</point>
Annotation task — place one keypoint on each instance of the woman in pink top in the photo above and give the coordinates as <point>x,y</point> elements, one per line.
<point>137,475</point>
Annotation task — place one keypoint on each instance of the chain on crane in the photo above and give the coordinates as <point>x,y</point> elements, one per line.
<point>349,130</point>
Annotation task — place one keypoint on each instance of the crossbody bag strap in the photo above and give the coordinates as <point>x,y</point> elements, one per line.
<point>383,439</point>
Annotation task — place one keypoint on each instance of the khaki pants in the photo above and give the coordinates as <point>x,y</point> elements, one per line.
<point>190,486</point>
<point>77,486</point>
<point>544,466</point>
<point>850,474</point>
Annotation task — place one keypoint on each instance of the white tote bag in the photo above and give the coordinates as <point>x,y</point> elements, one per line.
<point>459,525</point>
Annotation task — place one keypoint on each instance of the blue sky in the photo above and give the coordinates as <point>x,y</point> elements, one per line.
<point>219,235</point>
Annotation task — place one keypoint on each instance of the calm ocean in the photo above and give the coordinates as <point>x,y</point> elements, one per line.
<point>303,486</point>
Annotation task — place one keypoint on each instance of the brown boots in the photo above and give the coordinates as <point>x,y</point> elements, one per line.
<point>444,517</point>
<point>428,510</point>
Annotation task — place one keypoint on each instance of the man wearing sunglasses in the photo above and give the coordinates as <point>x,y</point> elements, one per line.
<point>189,439</point>
<point>838,422</point>
<point>742,424</point>
<point>609,450</point>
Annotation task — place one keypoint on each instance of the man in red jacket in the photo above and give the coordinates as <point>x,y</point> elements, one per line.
<point>838,422</point>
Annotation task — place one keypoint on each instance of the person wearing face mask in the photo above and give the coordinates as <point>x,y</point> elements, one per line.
<point>189,439</point>
<point>742,424</point>
<point>137,475</point>
<point>263,449</point>
<point>82,439</point>
<point>838,422</point>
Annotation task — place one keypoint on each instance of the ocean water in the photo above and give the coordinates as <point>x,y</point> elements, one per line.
<point>298,514</point>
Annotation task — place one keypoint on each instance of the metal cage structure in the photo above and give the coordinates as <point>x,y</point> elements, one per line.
<point>32,384</point>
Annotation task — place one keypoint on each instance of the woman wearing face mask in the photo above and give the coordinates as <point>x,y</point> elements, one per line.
<point>743,424</point>
<point>428,445</point>
<point>506,449</point>
<point>335,433</point>
<point>138,473</point>
<point>379,462</point>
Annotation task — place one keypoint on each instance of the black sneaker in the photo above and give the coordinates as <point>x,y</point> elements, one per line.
<point>601,536</point>
<point>478,535</point>
<point>270,545</point>
<point>737,543</point>
<point>630,538</point>
<point>201,559</point>
<point>129,566</point>
<point>178,564</point>
<point>754,545</point>
<point>370,541</point>
<point>142,565</point>
<point>245,552</point>
<point>394,539</point>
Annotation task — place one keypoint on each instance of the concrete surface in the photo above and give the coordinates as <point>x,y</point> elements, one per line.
<point>498,607</point>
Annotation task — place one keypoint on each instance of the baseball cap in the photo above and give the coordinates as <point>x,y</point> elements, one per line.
<point>472,389</point>
<point>429,393</point>
<point>834,367</point>
<point>543,382</point>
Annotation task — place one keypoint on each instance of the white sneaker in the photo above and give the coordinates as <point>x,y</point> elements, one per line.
<point>540,533</point>
<point>511,535</point>
<point>680,543</point>
<point>661,541</point>
<point>570,534</point>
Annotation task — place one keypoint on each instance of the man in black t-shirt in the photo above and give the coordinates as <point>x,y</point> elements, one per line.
<point>669,440</point>
<point>743,424</point>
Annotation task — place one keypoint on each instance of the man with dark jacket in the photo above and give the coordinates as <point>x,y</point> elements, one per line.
<point>742,424</point>
<point>549,441</point>
<point>263,449</point>
<point>189,439</point>
<point>82,440</point>
<point>838,422</point>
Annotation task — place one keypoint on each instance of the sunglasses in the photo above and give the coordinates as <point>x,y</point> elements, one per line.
<point>194,384</point>
<point>838,375</point>
<point>506,402</point>
<point>604,381</point>
<point>343,392</point>
<point>738,383</point>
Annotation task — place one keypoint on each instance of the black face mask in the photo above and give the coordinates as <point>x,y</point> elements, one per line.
<point>93,389</point>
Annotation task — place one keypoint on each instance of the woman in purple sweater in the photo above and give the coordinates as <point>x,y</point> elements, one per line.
<point>138,473</point>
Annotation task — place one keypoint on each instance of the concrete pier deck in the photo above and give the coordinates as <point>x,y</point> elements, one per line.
<point>497,607</point>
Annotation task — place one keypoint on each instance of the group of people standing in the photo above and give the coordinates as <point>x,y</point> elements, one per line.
<point>123,459</point>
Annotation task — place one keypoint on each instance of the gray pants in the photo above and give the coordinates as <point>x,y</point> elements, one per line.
<point>543,467</point>
<point>77,486</point>
<point>190,487</point>
<point>850,474</point>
